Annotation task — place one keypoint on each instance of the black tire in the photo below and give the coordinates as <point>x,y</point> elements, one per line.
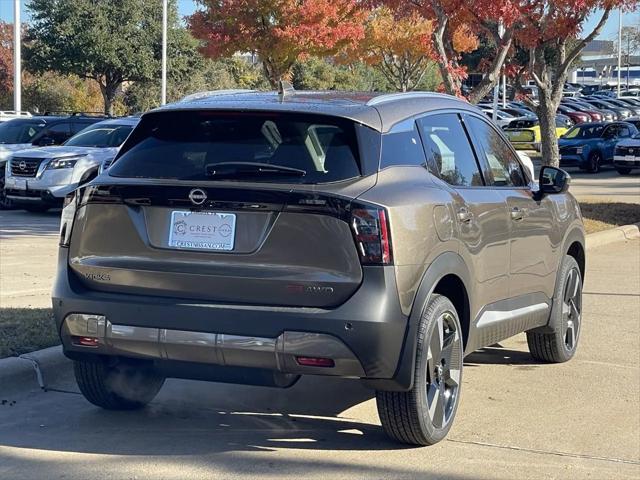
<point>560,344</point>
<point>594,162</point>
<point>35,208</point>
<point>405,416</point>
<point>623,170</point>
<point>122,386</point>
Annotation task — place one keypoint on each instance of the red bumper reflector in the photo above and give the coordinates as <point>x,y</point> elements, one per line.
<point>315,362</point>
<point>85,341</point>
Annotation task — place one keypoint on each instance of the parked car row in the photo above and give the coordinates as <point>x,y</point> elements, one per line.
<point>43,158</point>
<point>594,130</point>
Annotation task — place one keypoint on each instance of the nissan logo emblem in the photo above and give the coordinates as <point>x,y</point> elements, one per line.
<point>197,196</point>
<point>22,165</point>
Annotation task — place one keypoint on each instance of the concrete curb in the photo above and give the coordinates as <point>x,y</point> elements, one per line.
<point>32,371</point>
<point>618,234</point>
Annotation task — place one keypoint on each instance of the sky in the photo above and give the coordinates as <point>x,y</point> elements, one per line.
<point>187,7</point>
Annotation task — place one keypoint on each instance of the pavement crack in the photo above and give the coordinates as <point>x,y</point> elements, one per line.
<point>546,452</point>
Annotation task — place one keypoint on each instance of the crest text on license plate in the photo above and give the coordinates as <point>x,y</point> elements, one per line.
<point>202,230</point>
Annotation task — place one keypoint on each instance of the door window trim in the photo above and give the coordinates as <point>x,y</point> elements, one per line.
<point>485,163</point>
<point>458,114</point>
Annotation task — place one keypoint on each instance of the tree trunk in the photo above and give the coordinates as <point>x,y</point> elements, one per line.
<point>109,91</point>
<point>493,75</point>
<point>547,115</point>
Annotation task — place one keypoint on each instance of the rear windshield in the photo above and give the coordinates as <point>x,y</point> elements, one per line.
<point>100,135</point>
<point>240,146</point>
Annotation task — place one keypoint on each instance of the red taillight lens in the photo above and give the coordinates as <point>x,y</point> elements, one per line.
<point>85,341</point>
<point>371,233</point>
<point>315,362</point>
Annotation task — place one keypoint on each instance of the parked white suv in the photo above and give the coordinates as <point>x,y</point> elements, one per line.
<point>37,179</point>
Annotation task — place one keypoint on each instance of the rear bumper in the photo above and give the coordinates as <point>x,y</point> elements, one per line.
<point>364,336</point>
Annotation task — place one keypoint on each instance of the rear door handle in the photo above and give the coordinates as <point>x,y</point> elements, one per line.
<point>464,215</point>
<point>517,213</point>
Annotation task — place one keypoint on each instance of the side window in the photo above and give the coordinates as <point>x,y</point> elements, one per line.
<point>77,126</point>
<point>624,132</point>
<point>402,148</point>
<point>502,162</point>
<point>449,153</point>
<point>58,132</point>
<point>611,132</point>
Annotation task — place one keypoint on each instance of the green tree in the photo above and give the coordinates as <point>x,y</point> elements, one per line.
<point>324,74</point>
<point>209,75</point>
<point>109,41</point>
<point>53,92</point>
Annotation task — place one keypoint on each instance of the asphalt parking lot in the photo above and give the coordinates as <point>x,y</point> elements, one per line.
<point>517,419</point>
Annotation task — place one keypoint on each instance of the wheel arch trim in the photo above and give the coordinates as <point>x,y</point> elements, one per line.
<point>447,263</point>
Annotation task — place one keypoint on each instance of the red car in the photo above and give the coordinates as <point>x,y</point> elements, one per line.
<point>595,115</point>
<point>578,115</point>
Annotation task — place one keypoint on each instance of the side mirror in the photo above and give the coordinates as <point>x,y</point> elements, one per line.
<point>553,180</point>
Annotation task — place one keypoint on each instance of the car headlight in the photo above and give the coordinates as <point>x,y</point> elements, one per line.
<point>579,150</point>
<point>64,162</point>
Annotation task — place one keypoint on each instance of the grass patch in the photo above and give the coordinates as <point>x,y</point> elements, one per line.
<point>603,216</point>
<point>24,330</point>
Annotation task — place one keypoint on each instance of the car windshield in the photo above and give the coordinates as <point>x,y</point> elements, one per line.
<point>19,131</point>
<point>584,131</point>
<point>101,136</point>
<point>240,146</point>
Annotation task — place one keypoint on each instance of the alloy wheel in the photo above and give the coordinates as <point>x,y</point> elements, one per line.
<point>572,309</point>
<point>444,365</point>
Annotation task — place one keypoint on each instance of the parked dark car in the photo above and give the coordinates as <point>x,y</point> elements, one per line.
<point>621,112</point>
<point>591,145</point>
<point>635,109</point>
<point>257,237</point>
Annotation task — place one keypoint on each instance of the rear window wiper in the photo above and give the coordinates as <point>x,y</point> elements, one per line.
<point>250,168</point>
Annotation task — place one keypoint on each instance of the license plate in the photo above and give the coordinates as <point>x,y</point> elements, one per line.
<point>16,183</point>
<point>202,230</point>
<point>629,158</point>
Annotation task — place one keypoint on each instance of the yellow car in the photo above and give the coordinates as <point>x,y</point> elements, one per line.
<point>526,134</point>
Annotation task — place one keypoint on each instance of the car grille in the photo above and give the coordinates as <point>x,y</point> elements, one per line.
<point>25,167</point>
<point>628,151</point>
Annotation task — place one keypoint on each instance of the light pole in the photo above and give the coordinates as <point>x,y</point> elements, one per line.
<point>163,94</point>
<point>17,58</point>
<point>619,49</point>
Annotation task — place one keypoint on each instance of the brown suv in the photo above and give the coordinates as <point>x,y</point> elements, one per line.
<point>255,237</point>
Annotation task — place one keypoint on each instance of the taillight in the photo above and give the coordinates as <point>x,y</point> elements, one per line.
<point>371,233</point>
<point>66,220</point>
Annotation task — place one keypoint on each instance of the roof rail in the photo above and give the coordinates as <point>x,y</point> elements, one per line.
<point>388,97</point>
<point>73,113</point>
<point>214,93</point>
